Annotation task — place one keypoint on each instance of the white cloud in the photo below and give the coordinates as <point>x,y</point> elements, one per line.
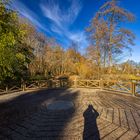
<point>80,38</point>
<point>56,29</point>
<point>27,13</point>
<point>61,17</point>
<point>52,12</point>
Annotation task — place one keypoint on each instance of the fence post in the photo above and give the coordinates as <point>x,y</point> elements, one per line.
<point>101,84</point>
<point>38,84</point>
<point>133,87</point>
<point>75,82</point>
<point>61,84</point>
<point>6,89</point>
<point>87,83</point>
<point>50,83</point>
<point>23,87</point>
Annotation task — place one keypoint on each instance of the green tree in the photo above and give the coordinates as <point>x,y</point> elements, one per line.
<point>14,51</point>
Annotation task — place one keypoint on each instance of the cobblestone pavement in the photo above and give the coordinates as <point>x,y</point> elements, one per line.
<point>96,115</point>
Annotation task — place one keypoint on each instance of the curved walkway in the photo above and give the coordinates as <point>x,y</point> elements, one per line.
<point>96,115</point>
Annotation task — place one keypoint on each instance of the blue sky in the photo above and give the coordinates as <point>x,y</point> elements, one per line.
<point>66,20</point>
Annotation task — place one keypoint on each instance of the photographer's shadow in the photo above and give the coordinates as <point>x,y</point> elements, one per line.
<point>91,131</point>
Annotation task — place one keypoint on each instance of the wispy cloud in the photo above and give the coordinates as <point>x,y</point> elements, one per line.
<point>27,13</point>
<point>62,19</point>
<point>81,39</point>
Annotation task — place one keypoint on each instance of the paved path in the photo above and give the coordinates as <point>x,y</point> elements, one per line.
<point>97,115</point>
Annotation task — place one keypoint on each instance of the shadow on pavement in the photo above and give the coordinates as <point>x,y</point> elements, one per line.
<point>91,131</point>
<point>33,107</point>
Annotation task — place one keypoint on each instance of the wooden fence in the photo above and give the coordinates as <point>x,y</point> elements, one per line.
<point>31,85</point>
<point>121,86</point>
<point>131,87</point>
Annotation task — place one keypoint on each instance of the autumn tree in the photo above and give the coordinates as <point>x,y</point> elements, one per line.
<point>107,34</point>
<point>98,35</point>
<point>119,37</point>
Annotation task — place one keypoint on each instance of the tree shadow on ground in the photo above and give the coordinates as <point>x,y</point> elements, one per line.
<point>33,107</point>
<point>91,131</point>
